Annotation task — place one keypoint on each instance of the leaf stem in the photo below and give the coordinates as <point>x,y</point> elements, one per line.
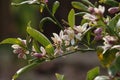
<point>34,64</point>
<point>59,25</point>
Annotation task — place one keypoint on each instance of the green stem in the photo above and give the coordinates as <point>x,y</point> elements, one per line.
<point>24,69</point>
<point>74,51</point>
<point>57,22</point>
<point>34,64</point>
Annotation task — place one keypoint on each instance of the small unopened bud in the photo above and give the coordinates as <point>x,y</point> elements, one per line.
<point>98,31</point>
<point>113,10</point>
<point>46,1</point>
<point>37,55</point>
<point>91,9</point>
<point>98,37</point>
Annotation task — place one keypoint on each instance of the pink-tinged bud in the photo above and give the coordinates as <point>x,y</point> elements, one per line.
<point>98,37</point>
<point>21,55</point>
<point>37,55</point>
<point>91,9</point>
<point>110,40</point>
<point>113,10</point>
<point>46,1</point>
<point>98,31</point>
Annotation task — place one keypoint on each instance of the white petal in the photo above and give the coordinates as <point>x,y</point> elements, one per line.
<point>72,41</point>
<point>116,47</point>
<point>102,9</point>
<point>61,34</point>
<point>27,52</point>
<point>43,50</point>
<point>55,35</point>
<point>90,17</point>
<point>84,26</point>
<point>78,36</point>
<point>15,46</point>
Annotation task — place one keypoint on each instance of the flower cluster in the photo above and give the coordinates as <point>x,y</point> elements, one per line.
<point>67,39</point>
<point>95,13</point>
<point>94,26</point>
<point>20,50</point>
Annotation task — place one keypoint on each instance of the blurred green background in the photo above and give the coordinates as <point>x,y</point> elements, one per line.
<point>13,22</point>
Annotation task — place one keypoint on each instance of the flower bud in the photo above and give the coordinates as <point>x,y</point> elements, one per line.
<point>46,0</point>
<point>98,37</point>
<point>37,55</point>
<point>91,9</point>
<point>98,31</point>
<point>113,10</point>
<point>110,39</point>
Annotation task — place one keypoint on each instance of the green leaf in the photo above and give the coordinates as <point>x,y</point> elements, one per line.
<point>106,57</point>
<point>112,70</point>
<point>24,69</point>
<point>83,21</point>
<point>88,3</point>
<point>71,18</point>
<point>55,7</point>
<point>36,46</point>
<point>88,37</point>
<point>117,63</point>
<point>42,6</point>
<point>11,41</point>
<point>59,77</point>
<point>38,36</point>
<point>114,21</point>
<point>45,20</point>
<point>92,73</point>
<point>112,24</point>
<point>79,5</point>
<point>80,13</point>
<point>110,2</point>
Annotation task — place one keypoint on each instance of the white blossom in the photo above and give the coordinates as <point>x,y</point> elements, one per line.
<point>99,10</point>
<point>20,50</point>
<point>90,17</point>
<point>80,30</point>
<point>56,39</point>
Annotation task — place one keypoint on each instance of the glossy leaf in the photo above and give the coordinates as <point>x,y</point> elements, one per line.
<point>110,2</point>
<point>36,46</point>
<point>88,3</point>
<point>59,77</point>
<point>114,21</point>
<point>38,36</point>
<point>55,7</point>
<point>80,13</point>
<point>24,69</point>
<point>11,41</point>
<point>79,5</point>
<point>45,20</point>
<point>91,74</point>
<point>107,57</point>
<point>71,18</point>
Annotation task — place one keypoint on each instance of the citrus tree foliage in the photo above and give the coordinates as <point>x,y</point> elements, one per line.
<point>97,32</point>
